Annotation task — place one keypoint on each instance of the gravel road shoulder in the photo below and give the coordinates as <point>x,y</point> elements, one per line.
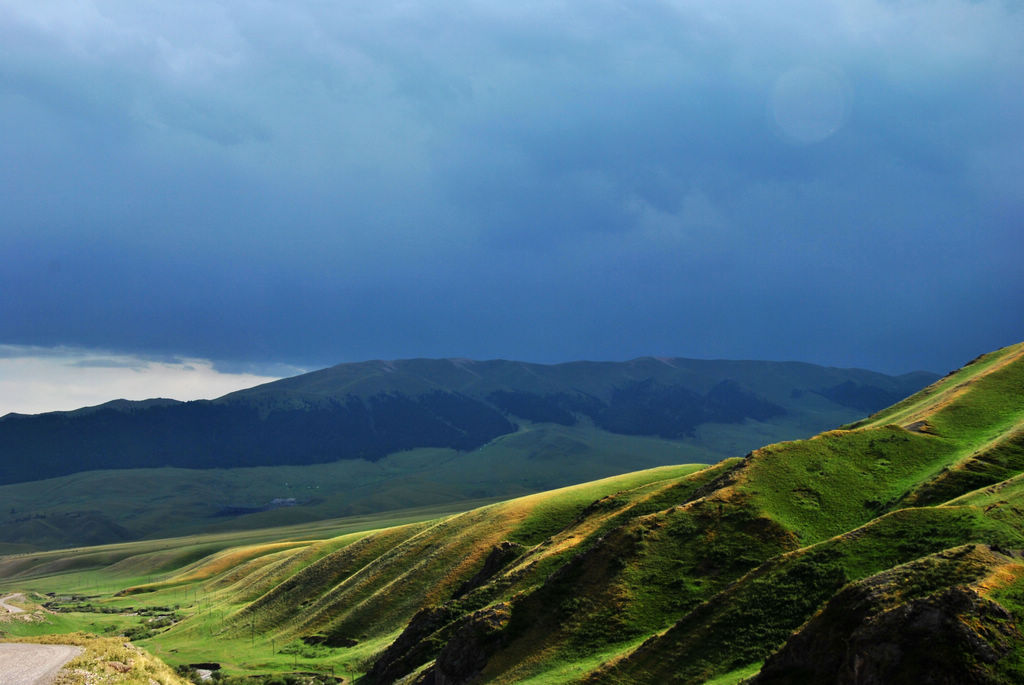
<point>10,608</point>
<point>28,664</point>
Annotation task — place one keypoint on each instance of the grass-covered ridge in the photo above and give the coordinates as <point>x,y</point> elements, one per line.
<point>686,574</point>
<point>378,436</point>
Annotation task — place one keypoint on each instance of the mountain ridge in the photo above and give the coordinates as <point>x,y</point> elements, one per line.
<point>390,365</point>
<point>367,410</point>
<point>792,564</point>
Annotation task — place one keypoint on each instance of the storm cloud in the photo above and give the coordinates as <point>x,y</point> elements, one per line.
<point>310,183</point>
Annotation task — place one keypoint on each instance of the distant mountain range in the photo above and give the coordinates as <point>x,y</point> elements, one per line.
<point>886,550</point>
<point>372,409</point>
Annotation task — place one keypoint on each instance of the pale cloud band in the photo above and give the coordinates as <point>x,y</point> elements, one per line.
<point>41,379</point>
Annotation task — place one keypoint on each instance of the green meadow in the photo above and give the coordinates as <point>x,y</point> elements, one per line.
<point>709,409</point>
<point>170,502</point>
<point>717,574</point>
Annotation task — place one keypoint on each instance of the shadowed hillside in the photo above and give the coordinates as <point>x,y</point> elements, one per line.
<point>805,561</point>
<point>372,409</point>
<point>380,436</point>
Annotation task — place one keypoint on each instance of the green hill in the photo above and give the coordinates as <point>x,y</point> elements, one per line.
<point>372,409</point>
<point>377,436</point>
<point>889,550</point>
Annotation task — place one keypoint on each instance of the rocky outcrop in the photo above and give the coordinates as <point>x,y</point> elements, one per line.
<point>867,635</point>
<point>415,646</point>
<point>477,637</point>
<point>501,555</point>
<point>432,627</point>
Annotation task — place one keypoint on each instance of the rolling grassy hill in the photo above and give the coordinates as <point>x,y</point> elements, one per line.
<point>376,436</point>
<point>889,550</point>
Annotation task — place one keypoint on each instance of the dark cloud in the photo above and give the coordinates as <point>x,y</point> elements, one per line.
<point>106,364</point>
<point>308,183</point>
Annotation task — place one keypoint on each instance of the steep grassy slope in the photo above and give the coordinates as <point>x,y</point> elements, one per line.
<point>929,620</point>
<point>674,561</point>
<point>356,589</point>
<point>864,537</point>
<point>108,568</point>
<point>832,493</point>
<point>376,436</point>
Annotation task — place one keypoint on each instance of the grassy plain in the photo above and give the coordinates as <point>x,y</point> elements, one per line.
<point>93,507</point>
<point>155,503</point>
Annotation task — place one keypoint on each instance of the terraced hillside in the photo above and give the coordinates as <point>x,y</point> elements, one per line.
<point>889,550</point>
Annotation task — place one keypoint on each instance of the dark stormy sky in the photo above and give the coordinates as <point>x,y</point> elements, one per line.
<point>299,182</point>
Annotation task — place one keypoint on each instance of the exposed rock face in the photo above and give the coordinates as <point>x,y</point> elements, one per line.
<point>119,666</point>
<point>431,628</point>
<point>414,646</point>
<point>478,636</point>
<point>501,556</point>
<point>948,638</point>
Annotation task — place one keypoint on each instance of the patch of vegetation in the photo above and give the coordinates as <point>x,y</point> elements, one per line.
<point>684,574</point>
<point>383,436</point>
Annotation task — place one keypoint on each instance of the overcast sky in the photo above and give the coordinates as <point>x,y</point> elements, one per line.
<point>304,183</point>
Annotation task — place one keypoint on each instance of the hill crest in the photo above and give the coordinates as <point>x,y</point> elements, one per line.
<point>368,410</point>
<point>820,552</point>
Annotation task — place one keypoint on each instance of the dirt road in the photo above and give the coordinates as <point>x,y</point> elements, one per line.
<point>24,664</point>
<point>4,606</point>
